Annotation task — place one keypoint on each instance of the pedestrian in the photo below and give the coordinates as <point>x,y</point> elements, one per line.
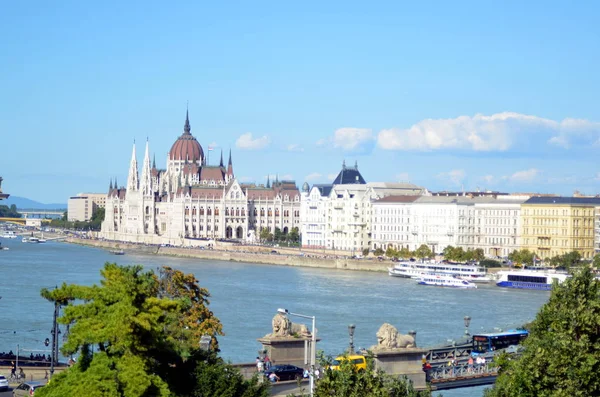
<point>317,373</point>
<point>267,362</point>
<point>273,377</point>
<point>13,369</point>
<point>259,364</point>
<point>470,362</point>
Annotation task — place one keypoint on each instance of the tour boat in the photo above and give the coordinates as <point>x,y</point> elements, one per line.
<point>473,273</point>
<point>9,234</point>
<point>445,281</point>
<point>529,279</point>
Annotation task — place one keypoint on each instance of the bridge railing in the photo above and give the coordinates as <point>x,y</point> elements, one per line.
<point>464,371</point>
<point>446,354</point>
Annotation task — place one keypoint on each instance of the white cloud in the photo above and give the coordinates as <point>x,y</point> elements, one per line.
<point>294,147</point>
<point>312,176</point>
<point>331,177</point>
<point>454,176</point>
<point>323,141</point>
<point>497,132</point>
<point>490,179</point>
<point>524,176</point>
<point>403,177</point>
<point>245,141</point>
<point>213,145</point>
<point>352,139</point>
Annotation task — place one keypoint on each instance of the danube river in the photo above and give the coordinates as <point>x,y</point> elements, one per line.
<point>245,297</point>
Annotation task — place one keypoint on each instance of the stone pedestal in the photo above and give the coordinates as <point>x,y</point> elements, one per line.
<point>286,349</point>
<point>402,362</point>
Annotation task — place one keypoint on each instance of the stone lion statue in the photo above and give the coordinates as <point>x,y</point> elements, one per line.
<point>389,338</point>
<point>282,326</point>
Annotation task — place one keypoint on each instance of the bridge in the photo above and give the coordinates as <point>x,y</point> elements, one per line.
<point>36,213</point>
<point>462,375</point>
<point>21,221</point>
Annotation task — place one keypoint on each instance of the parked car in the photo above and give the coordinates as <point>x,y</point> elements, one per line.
<point>3,383</point>
<point>27,389</point>
<point>285,372</point>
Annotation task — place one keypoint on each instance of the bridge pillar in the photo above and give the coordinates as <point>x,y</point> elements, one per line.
<point>287,350</point>
<point>403,362</point>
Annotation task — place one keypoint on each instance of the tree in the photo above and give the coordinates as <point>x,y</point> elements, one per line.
<point>522,257</point>
<point>143,328</point>
<point>294,235</point>
<point>423,252</point>
<point>596,261</point>
<point>561,356</point>
<point>365,252</point>
<point>277,236</point>
<point>478,254</point>
<point>378,252</point>
<point>97,218</point>
<point>264,234</point>
<point>404,253</point>
<point>391,252</point>
<point>348,382</point>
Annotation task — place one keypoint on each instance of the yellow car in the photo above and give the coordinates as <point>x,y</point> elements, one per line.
<point>359,362</point>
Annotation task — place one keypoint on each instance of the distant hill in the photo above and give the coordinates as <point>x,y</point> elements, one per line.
<point>24,203</point>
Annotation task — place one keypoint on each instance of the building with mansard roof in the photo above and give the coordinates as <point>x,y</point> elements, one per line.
<point>192,201</point>
<point>338,216</point>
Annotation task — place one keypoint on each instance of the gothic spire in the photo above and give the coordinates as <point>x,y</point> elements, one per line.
<point>230,167</point>
<point>111,185</point>
<point>133,179</point>
<point>268,182</point>
<point>221,163</point>
<point>154,161</point>
<point>146,182</point>
<point>186,127</point>
<point>116,183</point>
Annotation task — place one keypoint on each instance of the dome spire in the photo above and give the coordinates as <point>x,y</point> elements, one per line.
<point>186,127</point>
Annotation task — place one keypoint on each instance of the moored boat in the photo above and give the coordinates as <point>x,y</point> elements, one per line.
<point>117,252</point>
<point>530,279</point>
<point>445,281</point>
<point>473,273</point>
<point>9,234</point>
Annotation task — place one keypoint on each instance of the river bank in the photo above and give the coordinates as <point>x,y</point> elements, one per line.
<point>254,254</point>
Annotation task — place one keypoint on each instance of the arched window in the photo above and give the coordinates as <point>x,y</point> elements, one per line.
<point>187,211</point>
<point>194,211</point>
<point>237,212</point>
<point>216,211</point>
<point>201,210</point>
<point>226,211</point>
<point>262,212</point>
<point>255,212</point>
<point>209,211</point>
<point>276,211</point>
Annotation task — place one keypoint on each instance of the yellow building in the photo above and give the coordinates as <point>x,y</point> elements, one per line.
<point>557,225</point>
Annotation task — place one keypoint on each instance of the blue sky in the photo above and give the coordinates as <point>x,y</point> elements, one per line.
<point>447,95</point>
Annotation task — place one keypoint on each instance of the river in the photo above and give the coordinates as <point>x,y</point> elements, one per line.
<point>245,297</point>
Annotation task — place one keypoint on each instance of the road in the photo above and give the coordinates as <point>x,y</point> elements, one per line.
<point>6,393</point>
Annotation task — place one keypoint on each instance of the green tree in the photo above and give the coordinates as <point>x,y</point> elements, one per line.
<point>365,252</point>
<point>378,252</point>
<point>347,382</point>
<point>562,353</point>
<point>277,235</point>
<point>423,252</point>
<point>294,235</point>
<point>9,212</point>
<point>391,252</point>
<point>478,254</point>
<point>596,261</point>
<point>97,218</point>
<point>405,253</point>
<point>522,257</point>
<point>143,328</point>
<point>264,234</point>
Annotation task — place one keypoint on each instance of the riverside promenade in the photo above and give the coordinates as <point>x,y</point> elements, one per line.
<point>247,253</point>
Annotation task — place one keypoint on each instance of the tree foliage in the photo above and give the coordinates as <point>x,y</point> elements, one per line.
<point>137,335</point>
<point>458,254</point>
<point>9,212</point>
<point>521,257</point>
<point>562,353</point>
<point>348,382</point>
<point>423,252</point>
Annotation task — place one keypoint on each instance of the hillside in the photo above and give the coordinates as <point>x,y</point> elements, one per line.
<point>25,203</point>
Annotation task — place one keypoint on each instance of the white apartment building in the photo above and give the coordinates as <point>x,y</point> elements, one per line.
<point>597,231</point>
<point>439,221</point>
<point>338,216</point>
<point>81,207</point>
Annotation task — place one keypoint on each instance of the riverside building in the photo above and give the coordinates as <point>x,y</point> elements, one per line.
<point>192,201</point>
<point>558,225</point>
<point>337,216</point>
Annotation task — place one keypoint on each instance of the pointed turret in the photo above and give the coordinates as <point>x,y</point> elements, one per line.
<point>276,180</point>
<point>154,161</point>
<point>146,182</point>
<point>268,182</point>
<point>116,183</point>
<point>230,167</point>
<point>221,163</point>
<point>110,188</point>
<point>133,178</point>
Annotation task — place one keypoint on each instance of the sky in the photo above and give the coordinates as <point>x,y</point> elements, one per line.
<point>459,95</point>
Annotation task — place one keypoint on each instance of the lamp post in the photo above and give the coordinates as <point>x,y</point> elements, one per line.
<point>467,323</point>
<point>313,342</point>
<point>351,329</point>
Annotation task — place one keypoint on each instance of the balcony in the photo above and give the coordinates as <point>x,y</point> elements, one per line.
<point>338,206</point>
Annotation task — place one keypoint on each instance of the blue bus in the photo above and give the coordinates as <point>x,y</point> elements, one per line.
<point>483,343</point>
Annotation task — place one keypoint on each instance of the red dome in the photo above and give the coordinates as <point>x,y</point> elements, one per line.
<point>186,148</point>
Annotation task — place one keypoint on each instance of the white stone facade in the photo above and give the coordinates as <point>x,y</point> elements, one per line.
<point>191,202</point>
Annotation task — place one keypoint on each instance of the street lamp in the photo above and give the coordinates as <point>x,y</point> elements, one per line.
<point>467,323</point>
<point>351,329</point>
<point>313,342</point>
